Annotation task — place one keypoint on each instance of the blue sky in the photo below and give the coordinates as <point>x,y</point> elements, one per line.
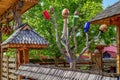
<point>107,3</point>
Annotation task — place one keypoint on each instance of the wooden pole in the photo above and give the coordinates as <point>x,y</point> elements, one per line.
<point>118,47</point>
<point>7,68</point>
<point>20,57</point>
<point>0,52</point>
<point>20,60</point>
<point>26,56</point>
<point>101,57</point>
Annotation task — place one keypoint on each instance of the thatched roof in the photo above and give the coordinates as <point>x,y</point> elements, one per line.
<point>26,36</point>
<point>107,15</point>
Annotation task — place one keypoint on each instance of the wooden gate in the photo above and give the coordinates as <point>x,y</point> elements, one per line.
<point>9,69</point>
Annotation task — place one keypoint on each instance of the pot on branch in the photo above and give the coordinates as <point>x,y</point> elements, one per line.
<point>46,15</point>
<point>103,28</point>
<point>65,13</point>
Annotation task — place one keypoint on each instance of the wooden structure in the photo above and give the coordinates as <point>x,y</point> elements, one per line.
<point>38,72</point>
<point>12,10</point>
<point>99,57</point>
<point>9,7</point>
<point>111,16</point>
<point>9,69</point>
<point>23,39</point>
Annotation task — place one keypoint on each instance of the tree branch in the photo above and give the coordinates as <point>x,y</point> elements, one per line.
<point>75,41</point>
<point>87,44</point>
<point>65,38</point>
<point>57,35</point>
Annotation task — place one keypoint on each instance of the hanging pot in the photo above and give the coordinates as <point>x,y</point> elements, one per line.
<point>46,14</point>
<point>65,13</point>
<point>51,9</point>
<point>103,28</point>
<point>86,27</point>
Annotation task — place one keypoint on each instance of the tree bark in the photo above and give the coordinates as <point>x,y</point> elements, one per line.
<point>72,65</point>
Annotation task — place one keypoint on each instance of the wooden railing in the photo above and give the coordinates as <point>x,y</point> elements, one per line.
<point>9,69</point>
<point>83,63</point>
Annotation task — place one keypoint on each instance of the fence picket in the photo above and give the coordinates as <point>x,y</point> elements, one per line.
<point>9,69</point>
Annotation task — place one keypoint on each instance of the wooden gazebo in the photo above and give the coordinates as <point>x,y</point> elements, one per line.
<point>111,16</point>
<point>24,39</point>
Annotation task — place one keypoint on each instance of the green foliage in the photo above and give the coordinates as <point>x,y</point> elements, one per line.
<point>87,8</point>
<point>10,53</point>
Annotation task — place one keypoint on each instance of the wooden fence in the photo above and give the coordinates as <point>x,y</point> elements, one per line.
<point>83,64</point>
<point>9,69</point>
<point>38,72</point>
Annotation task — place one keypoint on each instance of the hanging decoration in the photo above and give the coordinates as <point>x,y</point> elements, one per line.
<point>51,9</point>
<point>65,13</point>
<point>103,28</point>
<point>46,15</point>
<point>86,27</point>
<point>75,18</point>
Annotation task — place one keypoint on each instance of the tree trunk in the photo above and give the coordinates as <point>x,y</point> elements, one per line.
<point>72,65</point>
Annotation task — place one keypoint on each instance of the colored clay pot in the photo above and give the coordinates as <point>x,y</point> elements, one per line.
<point>103,28</point>
<point>86,27</point>
<point>65,13</point>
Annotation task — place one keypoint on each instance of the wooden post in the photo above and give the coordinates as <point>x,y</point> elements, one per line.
<point>101,59</point>
<point>20,60</point>
<point>0,52</point>
<point>7,62</point>
<point>20,57</point>
<point>118,47</point>
<point>26,56</point>
<point>98,58</point>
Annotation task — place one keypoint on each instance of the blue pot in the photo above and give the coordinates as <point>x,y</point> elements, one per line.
<point>86,27</point>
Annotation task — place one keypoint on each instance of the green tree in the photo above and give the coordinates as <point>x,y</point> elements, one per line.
<point>87,9</point>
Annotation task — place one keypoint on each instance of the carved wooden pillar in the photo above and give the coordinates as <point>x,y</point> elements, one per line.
<point>118,47</point>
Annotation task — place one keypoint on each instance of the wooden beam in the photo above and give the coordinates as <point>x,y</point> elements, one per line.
<point>30,46</point>
<point>109,20</point>
<point>118,47</point>
<point>34,1</point>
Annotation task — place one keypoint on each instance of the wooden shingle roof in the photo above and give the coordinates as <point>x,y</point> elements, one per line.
<point>107,15</point>
<point>38,72</point>
<point>25,36</point>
